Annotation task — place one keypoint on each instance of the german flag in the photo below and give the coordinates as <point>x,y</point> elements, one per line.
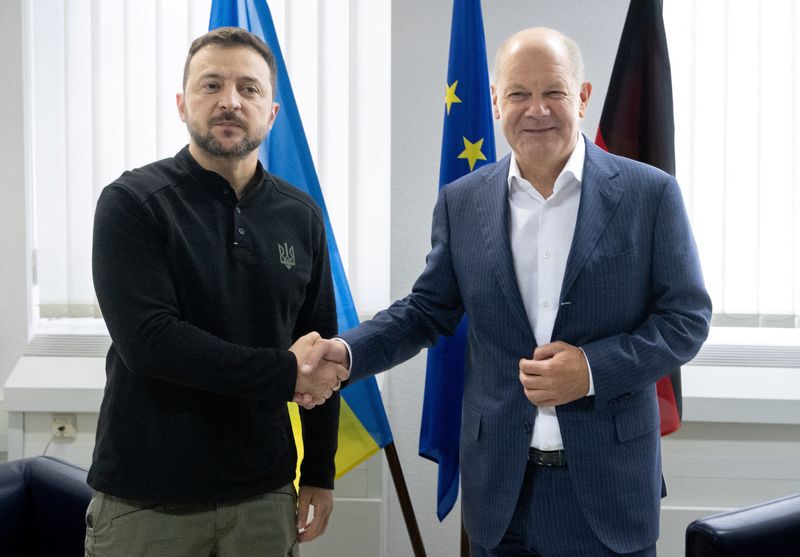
<point>637,122</point>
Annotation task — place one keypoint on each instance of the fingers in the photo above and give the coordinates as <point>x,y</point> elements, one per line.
<point>536,376</point>
<point>315,529</point>
<point>547,351</point>
<point>535,386</point>
<point>302,399</point>
<point>321,369</point>
<point>557,374</point>
<point>540,397</point>
<point>320,385</point>
<point>303,503</point>
<point>306,400</point>
<point>322,502</point>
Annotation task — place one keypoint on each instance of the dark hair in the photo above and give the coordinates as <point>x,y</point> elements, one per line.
<point>228,37</point>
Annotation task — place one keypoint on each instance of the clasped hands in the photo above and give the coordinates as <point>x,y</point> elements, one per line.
<point>557,374</point>
<point>322,365</point>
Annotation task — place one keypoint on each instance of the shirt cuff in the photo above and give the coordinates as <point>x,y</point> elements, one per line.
<point>588,365</point>
<point>350,353</point>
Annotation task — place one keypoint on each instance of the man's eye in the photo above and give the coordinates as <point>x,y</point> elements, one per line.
<point>517,95</point>
<point>253,90</point>
<point>211,86</point>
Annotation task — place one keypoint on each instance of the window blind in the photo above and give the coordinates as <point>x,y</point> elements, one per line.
<point>736,81</point>
<point>102,77</point>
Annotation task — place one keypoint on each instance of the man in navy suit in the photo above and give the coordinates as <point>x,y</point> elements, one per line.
<point>581,280</point>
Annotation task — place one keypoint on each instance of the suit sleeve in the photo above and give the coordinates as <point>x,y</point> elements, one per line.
<point>679,314</point>
<point>321,424</point>
<point>433,308</point>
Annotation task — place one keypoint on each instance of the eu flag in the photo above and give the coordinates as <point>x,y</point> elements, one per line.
<point>363,426</point>
<point>467,144</point>
<point>637,123</point>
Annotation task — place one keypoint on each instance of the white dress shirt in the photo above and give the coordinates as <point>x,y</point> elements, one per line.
<point>541,231</point>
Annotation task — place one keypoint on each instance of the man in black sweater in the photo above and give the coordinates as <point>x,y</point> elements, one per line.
<point>209,271</point>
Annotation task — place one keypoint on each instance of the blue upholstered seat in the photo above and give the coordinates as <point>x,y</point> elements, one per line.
<point>43,501</point>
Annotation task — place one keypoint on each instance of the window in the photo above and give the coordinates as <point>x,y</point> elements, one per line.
<point>101,80</point>
<point>736,82</point>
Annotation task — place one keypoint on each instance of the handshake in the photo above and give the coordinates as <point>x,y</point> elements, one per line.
<point>322,365</point>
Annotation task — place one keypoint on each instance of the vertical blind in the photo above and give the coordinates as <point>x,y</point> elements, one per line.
<point>102,77</point>
<point>736,80</point>
<point>101,80</point>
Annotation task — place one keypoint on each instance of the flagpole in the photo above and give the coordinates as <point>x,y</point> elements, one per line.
<point>464,541</point>
<point>405,500</point>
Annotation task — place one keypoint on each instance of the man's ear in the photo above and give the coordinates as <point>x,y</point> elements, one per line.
<point>495,110</point>
<point>586,92</point>
<point>180,101</point>
<point>273,114</point>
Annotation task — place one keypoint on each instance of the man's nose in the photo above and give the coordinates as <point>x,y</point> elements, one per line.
<point>537,108</point>
<point>229,98</point>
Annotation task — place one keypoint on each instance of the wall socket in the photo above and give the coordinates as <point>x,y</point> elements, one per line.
<point>65,426</point>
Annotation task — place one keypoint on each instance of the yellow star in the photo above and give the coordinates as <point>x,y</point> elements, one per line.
<point>450,95</point>
<point>472,152</point>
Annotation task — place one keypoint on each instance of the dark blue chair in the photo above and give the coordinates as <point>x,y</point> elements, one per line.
<point>43,503</point>
<point>770,529</point>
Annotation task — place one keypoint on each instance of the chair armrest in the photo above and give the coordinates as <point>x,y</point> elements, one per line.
<point>771,528</point>
<point>60,495</point>
<point>16,508</point>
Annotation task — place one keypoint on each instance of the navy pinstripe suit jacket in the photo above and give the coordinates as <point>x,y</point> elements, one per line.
<point>633,298</point>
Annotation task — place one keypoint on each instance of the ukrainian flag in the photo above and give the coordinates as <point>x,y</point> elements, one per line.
<point>467,144</point>
<point>363,426</point>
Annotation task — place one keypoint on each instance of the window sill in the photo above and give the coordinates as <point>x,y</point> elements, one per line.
<point>55,384</point>
<point>741,375</point>
<point>733,394</point>
<point>721,394</point>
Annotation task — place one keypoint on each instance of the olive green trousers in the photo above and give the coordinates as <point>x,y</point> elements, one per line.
<point>263,526</point>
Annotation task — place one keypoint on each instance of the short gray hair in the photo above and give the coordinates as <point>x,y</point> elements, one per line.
<point>575,59</point>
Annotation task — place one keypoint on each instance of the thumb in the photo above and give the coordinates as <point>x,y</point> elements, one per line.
<point>313,358</point>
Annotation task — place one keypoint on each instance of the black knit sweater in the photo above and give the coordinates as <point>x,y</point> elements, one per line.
<point>202,295</point>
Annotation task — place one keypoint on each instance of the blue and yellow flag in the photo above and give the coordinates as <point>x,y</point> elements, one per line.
<point>467,144</point>
<point>363,426</point>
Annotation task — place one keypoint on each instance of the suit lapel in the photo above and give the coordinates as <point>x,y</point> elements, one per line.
<point>600,196</point>
<point>491,202</point>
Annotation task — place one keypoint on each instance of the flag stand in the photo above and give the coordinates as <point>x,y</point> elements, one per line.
<point>405,500</point>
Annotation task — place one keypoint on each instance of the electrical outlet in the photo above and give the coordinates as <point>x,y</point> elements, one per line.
<point>65,426</point>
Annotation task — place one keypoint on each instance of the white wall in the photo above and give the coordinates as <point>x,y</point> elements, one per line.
<point>420,42</point>
<point>13,257</point>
